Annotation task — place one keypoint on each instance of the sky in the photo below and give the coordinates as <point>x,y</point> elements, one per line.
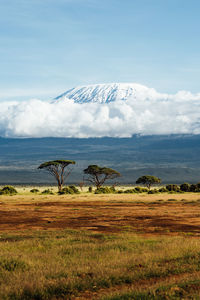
<point>48,46</point>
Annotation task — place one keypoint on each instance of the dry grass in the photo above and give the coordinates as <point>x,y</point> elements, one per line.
<point>69,264</point>
<point>87,246</point>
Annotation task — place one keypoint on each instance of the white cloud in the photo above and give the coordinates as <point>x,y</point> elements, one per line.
<point>154,113</point>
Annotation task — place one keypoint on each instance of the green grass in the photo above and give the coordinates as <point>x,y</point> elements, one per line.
<point>184,290</point>
<point>60,264</point>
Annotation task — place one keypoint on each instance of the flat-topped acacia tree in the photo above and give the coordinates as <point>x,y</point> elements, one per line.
<point>98,175</point>
<point>58,169</point>
<point>148,180</point>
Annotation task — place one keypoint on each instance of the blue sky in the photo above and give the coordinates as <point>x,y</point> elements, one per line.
<point>49,46</point>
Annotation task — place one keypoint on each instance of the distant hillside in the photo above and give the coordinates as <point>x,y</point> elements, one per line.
<point>174,158</point>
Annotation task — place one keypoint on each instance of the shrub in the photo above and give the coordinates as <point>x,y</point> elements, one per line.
<point>153,191</point>
<point>47,192</point>
<point>198,186</point>
<point>145,190</point>
<point>34,191</point>
<point>172,187</point>
<point>74,189</point>
<point>163,190</point>
<point>185,187</point>
<point>112,189</point>
<point>193,188</point>
<point>105,190</point>
<point>130,191</point>
<point>8,190</point>
<point>90,189</point>
<point>69,190</point>
<point>139,189</point>
<point>120,191</point>
<point>66,190</point>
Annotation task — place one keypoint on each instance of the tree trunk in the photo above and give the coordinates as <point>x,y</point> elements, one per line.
<point>98,186</point>
<point>59,186</point>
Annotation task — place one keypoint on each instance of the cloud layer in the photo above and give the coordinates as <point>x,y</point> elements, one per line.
<point>150,113</point>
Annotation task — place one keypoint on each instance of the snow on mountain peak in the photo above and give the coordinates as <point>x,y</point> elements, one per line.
<point>105,93</point>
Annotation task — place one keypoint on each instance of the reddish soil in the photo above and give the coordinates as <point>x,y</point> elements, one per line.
<point>111,213</point>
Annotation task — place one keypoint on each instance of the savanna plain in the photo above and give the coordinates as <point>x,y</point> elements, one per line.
<point>96,246</point>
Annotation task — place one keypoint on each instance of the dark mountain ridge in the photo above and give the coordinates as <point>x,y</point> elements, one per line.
<point>174,158</point>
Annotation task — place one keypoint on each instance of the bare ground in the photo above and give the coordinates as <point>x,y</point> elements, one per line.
<point>147,214</point>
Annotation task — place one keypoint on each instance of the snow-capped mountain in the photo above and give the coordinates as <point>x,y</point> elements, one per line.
<point>105,93</point>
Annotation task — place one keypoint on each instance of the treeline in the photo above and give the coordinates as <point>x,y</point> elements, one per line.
<point>96,177</point>
<point>170,188</point>
<point>72,189</point>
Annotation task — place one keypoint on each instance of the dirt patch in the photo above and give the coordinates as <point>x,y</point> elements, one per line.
<point>103,213</point>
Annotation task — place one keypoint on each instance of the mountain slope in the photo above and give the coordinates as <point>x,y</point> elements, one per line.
<point>105,93</point>
<point>174,158</point>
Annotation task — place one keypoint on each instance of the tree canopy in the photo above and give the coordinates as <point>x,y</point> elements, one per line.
<point>57,168</point>
<point>98,175</point>
<point>148,180</point>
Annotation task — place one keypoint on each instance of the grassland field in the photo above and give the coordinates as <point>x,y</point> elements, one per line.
<point>110,246</point>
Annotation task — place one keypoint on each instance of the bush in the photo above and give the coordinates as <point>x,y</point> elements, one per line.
<point>163,190</point>
<point>194,188</point>
<point>66,190</point>
<point>47,192</point>
<point>185,187</point>
<point>172,188</point>
<point>90,189</point>
<point>34,191</point>
<point>120,192</point>
<point>139,189</point>
<point>130,191</point>
<point>69,190</point>
<point>198,186</point>
<point>105,190</point>
<point>153,191</point>
<point>74,189</point>
<point>8,190</point>
<point>145,190</point>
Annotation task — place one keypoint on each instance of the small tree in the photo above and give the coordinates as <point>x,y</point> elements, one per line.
<point>148,180</point>
<point>98,175</point>
<point>185,187</point>
<point>173,188</point>
<point>57,168</point>
<point>193,188</point>
<point>198,186</point>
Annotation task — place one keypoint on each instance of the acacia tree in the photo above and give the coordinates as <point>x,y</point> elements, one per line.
<point>98,175</point>
<point>57,168</point>
<point>148,180</point>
